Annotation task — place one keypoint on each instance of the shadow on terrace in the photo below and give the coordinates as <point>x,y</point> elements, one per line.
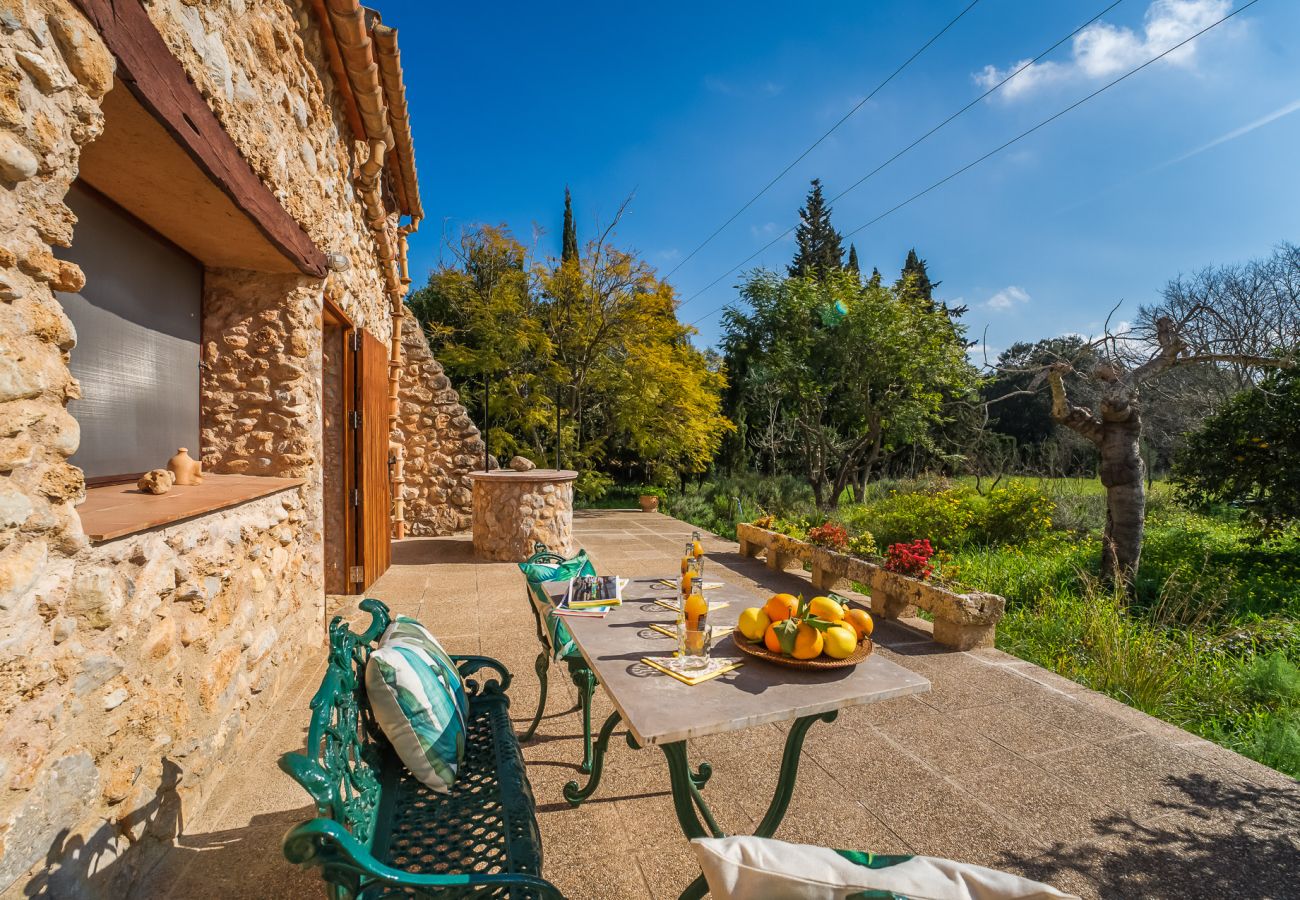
<point>1001,763</point>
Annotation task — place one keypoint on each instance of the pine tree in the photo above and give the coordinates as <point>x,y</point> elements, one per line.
<point>919,284</point>
<point>853,260</point>
<point>569,245</point>
<point>819,243</point>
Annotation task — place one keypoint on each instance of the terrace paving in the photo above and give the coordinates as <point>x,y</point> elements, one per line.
<point>1002,763</point>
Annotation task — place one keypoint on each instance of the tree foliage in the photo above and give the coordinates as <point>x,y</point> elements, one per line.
<point>819,250</point>
<point>828,375</point>
<point>1245,454</point>
<point>594,338</point>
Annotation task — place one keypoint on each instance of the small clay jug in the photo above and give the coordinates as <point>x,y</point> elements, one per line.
<point>186,469</point>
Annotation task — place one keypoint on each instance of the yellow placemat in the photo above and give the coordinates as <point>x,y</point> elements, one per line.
<point>719,631</point>
<point>707,675</point>
<point>675,607</point>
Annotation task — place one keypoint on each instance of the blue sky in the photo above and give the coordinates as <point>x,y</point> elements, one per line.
<point>1190,162</point>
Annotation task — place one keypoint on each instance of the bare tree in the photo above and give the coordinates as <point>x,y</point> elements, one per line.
<point>1128,364</point>
<point>1247,310</point>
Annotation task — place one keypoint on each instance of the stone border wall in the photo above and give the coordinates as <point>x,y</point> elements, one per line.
<point>961,621</point>
<point>442,445</point>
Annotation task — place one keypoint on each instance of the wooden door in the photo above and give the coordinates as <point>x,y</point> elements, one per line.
<point>373,496</point>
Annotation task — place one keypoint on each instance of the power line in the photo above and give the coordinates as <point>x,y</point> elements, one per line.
<point>813,146</point>
<point>1024,134</point>
<point>914,143</point>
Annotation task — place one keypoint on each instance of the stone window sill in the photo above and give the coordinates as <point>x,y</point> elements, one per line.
<point>116,510</point>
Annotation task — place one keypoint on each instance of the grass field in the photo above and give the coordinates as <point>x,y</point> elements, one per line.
<point>1210,640</point>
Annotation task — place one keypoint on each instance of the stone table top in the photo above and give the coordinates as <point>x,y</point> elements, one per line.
<point>659,709</point>
<point>530,475</point>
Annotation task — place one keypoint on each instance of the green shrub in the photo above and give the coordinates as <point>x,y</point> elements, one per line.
<point>941,518</point>
<point>591,485</point>
<point>1272,680</point>
<point>1276,743</point>
<point>1014,514</point>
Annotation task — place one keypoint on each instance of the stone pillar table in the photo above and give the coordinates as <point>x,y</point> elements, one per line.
<point>515,510</point>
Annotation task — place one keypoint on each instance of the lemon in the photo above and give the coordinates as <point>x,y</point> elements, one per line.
<point>826,608</point>
<point>807,643</point>
<point>753,623</point>
<point>839,641</point>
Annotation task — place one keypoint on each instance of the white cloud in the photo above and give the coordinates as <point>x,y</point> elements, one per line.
<point>1007,298</point>
<point>1103,50</point>
<point>735,89</point>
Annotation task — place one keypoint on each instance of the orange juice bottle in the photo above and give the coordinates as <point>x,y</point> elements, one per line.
<point>697,549</point>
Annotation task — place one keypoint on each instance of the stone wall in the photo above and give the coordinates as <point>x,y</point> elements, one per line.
<point>442,445</point>
<point>261,66</point>
<point>145,656</point>
<point>130,669</point>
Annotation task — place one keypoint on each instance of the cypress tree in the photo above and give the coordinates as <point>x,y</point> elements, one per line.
<point>853,260</point>
<point>569,242</point>
<point>921,286</point>
<point>819,243</point>
<point>874,281</point>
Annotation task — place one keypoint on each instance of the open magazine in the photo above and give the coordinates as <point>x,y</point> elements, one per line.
<point>592,595</point>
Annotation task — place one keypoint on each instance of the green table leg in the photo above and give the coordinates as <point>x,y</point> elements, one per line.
<point>586,684</point>
<point>693,814</point>
<point>542,665</point>
<point>576,795</point>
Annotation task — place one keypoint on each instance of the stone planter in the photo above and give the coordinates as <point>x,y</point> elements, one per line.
<point>649,503</point>
<point>961,621</point>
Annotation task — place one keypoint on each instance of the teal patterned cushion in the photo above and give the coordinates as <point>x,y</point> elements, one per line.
<point>418,702</point>
<point>537,573</point>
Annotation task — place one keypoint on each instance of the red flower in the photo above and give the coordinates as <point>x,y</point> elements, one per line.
<point>911,559</point>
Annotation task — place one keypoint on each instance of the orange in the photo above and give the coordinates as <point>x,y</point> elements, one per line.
<point>807,643</point>
<point>860,619</point>
<point>770,640</point>
<point>781,606</point>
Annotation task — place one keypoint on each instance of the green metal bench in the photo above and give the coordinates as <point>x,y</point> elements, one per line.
<point>379,833</point>
<point>579,672</point>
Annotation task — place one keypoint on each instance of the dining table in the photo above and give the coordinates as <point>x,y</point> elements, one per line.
<point>660,711</point>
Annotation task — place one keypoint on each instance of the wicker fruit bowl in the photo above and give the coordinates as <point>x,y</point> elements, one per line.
<point>758,651</point>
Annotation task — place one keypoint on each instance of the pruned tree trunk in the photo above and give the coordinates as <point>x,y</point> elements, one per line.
<point>1117,435</point>
<point>1123,475</point>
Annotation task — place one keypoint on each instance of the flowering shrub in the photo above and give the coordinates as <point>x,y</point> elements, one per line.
<point>829,535</point>
<point>944,517</point>
<point>1015,514</point>
<point>863,545</point>
<point>911,559</point>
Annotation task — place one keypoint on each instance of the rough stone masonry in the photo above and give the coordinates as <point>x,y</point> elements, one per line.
<point>130,668</point>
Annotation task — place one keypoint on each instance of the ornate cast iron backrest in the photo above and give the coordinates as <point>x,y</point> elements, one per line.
<point>542,555</point>
<point>340,768</point>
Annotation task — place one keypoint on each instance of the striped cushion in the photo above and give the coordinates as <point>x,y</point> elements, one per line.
<point>419,702</point>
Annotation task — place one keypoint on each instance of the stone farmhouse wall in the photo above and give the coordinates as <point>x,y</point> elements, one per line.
<point>442,445</point>
<point>131,669</point>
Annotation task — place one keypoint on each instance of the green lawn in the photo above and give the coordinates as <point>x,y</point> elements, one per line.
<point>1210,641</point>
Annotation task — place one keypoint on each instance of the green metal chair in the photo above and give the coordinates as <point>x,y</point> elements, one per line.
<point>556,641</point>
